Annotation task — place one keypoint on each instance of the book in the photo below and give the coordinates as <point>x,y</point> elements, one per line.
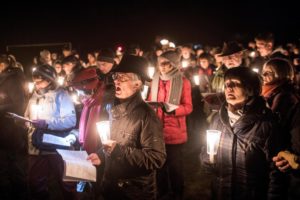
<point>18,117</point>
<point>52,139</point>
<point>77,167</point>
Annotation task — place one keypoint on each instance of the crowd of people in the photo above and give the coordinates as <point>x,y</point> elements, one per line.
<point>155,103</point>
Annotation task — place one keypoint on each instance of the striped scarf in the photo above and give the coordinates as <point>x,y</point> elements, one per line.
<point>176,84</point>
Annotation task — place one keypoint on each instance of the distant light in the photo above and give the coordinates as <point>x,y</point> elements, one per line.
<point>255,69</point>
<point>164,42</point>
<point>172,45</point>
<point>60,80</point>
<point>119,48</point>
<point>252,54</point>
<point>33,69</point>
<point>184,64</point>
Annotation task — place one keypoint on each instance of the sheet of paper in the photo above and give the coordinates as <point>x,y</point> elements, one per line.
<point>52,139</point>
<point>77,167</point>
<point>170,107</point>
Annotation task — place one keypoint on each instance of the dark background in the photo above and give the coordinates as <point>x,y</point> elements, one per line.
<point>90,25</point>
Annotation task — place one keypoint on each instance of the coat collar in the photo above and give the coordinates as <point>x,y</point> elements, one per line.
<point>123,108</point>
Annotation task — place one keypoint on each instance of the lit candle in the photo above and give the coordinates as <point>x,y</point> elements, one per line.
<point>172,45</point>
<point>196,79</point>
<point>145,91</point>
<point>255,69</point>
<point>213,138</point>
<point>151,71</point>
<point>164,42</point>
<point>103,128</point>
<point>60,80</point>
<point>185,64</point>
<point>30,87</point>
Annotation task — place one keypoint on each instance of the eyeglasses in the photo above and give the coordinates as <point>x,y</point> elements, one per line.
<point>232,85</point>
<point>120,77</point>
<point>165,63</point>
<point>268,74</point>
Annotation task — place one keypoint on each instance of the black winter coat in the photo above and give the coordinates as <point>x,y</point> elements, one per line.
<point>130,170</point>
<point>12,99</point>
<point>244,168</point>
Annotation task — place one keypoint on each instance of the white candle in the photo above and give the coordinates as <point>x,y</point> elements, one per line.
<point>145,92</point>
<point>213,138</point>
<point>151,71</point>
<point>60,80</point>
<point>30,87</point>
<point>184,64</point>
<point>103,128</point>
<point>196,79</point>
<point>255,69</point>
<point>164,42</point>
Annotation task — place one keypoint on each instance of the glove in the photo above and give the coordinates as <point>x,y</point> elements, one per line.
<point>70,138</point>
<point>290,157</point>
<point>40,123</point>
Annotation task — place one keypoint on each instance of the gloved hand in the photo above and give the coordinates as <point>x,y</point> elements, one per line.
<point>70,138</point>
<point>40,123</point>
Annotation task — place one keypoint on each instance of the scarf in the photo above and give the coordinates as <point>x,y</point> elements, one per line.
<point>268,90</point>
<point>176,83</point>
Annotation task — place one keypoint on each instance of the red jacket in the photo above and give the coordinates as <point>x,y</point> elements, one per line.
<point>174,126</point>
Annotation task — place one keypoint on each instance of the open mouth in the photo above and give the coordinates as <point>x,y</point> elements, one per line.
<point>118,90</point>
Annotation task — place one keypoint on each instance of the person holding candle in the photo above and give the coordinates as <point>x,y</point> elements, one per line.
<point>136,147</point>
<point>243,164</point>
<point>51,109</point>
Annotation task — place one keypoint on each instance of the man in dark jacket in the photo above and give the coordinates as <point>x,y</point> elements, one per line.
<point>136,148</point>
<point>243,167</point>
<point>12,137</point>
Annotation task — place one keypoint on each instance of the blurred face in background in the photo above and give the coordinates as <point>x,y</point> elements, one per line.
<point>268,75</point>
<point>40,83</point>
<point>164,65</point>
<point>204,63</point>
<point>104,67</point>
<point>68,67</point>
<point>3,66</point>
<point>58,68</point>
<point>264,48</point>
<point>234,60</point>
<point>186,52</point>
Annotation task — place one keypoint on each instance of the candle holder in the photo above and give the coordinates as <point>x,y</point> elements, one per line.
<point>103,128</point>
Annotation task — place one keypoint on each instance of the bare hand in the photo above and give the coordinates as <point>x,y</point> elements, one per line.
<point>282,164</point>
<point>94,159</point>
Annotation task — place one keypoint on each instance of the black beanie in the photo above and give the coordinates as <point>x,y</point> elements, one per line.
<point>107,55</point>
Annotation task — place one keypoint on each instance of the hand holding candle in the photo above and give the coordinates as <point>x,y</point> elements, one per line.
<point>213,139</point>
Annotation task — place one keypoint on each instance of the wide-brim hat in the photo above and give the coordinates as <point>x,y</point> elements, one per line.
<point>134,64</point>
<point>230,48</point>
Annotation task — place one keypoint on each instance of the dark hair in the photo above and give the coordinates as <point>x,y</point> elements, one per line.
<point>250,80</point>
<point>5,59</point>
<point>267,37</point>
<point>71,59</point>
<point>282,68</point>
<point>206,56</point>
<point>45,72</point>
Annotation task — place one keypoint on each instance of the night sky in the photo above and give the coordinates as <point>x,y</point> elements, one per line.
<point>97,24</point>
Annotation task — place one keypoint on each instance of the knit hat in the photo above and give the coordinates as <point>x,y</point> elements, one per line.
<point>134,64</point>
<point>107,55</point>
<point>172,56</point>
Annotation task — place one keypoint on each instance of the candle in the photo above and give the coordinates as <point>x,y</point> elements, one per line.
<point>196,79</point>
<point>255,69</point>
<point>151,71</point>
<point>60,80</point>
<point>30,87</point>
<point>103,128</point>
<point>145,91</point>
<point>213,138</point>
<point>184,64</point>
